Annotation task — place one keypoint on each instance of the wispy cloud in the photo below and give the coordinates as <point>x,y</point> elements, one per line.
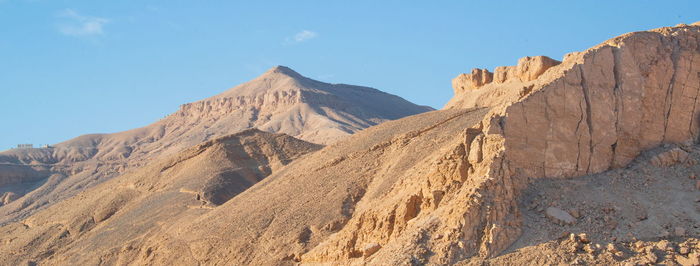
<point>301,36</point>
<point>305,35</point>
<point>75,24</point>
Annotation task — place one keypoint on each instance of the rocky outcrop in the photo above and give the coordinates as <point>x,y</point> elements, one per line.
<point>596,111</point>
<point>478,77</point>
<point>507,84</point>
<point>670,158</point>
<point>531,68</point>
<point>528,69</point>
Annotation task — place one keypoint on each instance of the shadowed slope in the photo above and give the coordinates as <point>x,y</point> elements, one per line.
<point>128,208</point>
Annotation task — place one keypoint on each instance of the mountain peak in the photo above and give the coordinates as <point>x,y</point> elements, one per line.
<point>284,71</point>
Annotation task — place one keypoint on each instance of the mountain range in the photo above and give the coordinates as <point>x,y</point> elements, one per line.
<point>279,101</point>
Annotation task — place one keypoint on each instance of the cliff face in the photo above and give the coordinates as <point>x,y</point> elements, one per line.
<point>600,108</point>
<point>595,111</point>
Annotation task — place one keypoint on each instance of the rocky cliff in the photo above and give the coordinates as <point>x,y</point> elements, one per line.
<point>597,110</point>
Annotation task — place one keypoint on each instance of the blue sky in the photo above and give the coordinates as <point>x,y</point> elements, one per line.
<point>69,68</point>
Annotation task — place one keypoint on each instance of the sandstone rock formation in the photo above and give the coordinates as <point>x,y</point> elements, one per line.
<point>478,78</point>
<point>446,186</point>
<point>596,111</point>
<point>279,101</point>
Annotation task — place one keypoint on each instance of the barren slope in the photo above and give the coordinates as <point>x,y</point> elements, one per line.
<point>294,209</point>
<point>106,220</point>
<point>280,101</point>
<point>644,213</point>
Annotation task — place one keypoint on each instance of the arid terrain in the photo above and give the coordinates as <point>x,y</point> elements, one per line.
<point>591,159</point>
<point>279,101</point>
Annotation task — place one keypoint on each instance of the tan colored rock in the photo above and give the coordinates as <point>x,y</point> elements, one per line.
<point>370,249</point>
<point>575,213</point>
<point>531,68</point>
<point>664,245</point>
<point>559,216</point>
<point>503,74</point>
<point>478,77</point>
<point>583,237</point>
<point>669,158</point>
<point>693,259</point>
<point>650,257</point>
<point>589,248</point>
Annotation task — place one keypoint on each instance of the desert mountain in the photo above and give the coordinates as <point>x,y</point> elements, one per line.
<point>498,175</point>
<point>130,207</point>
<point>279,101</point>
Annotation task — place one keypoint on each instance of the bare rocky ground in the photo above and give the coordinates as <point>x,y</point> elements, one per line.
<point>646,213</point>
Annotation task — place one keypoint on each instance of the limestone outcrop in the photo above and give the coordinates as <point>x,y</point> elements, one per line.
<point>597,110</point>
<point>531,68</point>
<point>482,88</point>
<point>478,77</point>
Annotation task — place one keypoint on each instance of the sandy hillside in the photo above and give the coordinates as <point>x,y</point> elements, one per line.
<point>128,208</point>
<point>279,101</point>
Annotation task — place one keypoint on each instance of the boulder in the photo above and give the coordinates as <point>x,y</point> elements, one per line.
<point>559,216</point>
<point>670,158</point>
